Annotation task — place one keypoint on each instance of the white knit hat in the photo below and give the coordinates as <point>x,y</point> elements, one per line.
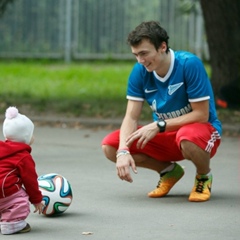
<point>17,127</point>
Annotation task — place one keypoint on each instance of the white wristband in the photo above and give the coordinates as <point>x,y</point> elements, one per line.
<point>122,152</point>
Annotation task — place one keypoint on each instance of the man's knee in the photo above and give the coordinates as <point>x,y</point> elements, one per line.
<point>188,149</point>
<point>109,152</point>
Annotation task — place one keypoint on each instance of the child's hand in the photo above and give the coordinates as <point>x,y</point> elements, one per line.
<point>39,207</point>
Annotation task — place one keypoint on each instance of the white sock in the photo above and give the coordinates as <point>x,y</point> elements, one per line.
<point>168,169</point>
<point>12,227</point>
<point>208,174</point>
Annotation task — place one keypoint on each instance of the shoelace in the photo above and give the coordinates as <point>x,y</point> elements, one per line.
<point>161,178</point>
<point>200,185</point>
<point>159,183</point>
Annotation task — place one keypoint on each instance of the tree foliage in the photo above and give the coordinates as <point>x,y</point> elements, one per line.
<point>3,6</point>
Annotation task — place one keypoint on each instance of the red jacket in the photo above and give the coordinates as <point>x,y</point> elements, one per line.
<point>17,170</point>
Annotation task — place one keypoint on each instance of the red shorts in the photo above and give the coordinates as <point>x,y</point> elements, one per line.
<point>166,146</point>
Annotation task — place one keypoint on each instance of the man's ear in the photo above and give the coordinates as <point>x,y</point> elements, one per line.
<point>162,47</point>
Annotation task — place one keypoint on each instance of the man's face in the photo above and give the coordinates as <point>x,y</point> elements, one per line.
<point>147,55</point>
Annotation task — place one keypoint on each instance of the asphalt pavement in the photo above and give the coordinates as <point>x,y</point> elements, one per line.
<point>106,208</point>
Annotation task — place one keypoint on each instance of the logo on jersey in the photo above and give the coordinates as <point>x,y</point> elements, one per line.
<point>150,91</point>
<point>173,88</point>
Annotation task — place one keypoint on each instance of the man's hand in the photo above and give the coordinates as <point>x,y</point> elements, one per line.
<point>123,164</point>
<point>143,134</point>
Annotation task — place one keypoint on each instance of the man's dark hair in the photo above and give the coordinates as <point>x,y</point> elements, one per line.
<point>150,30</point>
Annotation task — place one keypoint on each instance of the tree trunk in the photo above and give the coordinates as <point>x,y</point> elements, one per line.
<point>222,24</point>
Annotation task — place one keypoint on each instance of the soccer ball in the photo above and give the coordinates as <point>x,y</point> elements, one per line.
<point>57,193</point>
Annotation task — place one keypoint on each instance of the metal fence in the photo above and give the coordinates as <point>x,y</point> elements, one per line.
<point>93,29</point>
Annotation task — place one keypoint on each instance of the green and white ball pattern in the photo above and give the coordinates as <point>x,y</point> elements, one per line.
<point>57,193</point>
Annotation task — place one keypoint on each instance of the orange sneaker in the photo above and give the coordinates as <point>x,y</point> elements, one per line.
<point>201,191</point>
<point>167,181</point>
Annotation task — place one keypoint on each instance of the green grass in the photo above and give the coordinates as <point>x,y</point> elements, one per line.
<point>79,89</point>
<point>94,89</point>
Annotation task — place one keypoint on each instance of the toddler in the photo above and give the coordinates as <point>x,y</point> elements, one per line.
<point>18,177</point>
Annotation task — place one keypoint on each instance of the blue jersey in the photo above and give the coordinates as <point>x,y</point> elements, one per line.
<point>170,96</point>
